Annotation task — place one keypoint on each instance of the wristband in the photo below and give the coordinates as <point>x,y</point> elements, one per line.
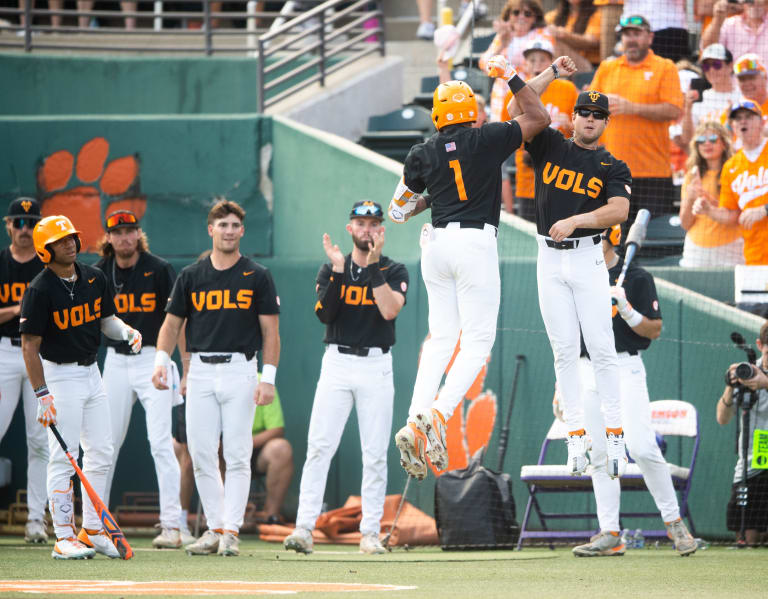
<point>377,279</point>
<point>162,358</point>
<point>42,391</point>
<point>727,405</point>
<point>633,319</point>
<point>555,71</point>
<point>516,83</point>
<point>268,373</point>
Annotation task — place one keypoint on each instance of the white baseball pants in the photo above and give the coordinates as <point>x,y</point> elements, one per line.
<point>460,268</point>
<point>83,420</point>
<point>640,439</point>
<point>574,299</point>
<point>220,406</point>
<point>14,383</point>
<point>127,377</point>
<point>366,383</point>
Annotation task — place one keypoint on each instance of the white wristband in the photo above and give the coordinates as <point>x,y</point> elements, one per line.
<point>162,359</point>
<point>268,373</point>
<point>633,319</point>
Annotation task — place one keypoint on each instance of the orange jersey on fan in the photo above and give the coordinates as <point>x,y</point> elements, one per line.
<point>642,143</point>
<point>559,98</point>
<point>744,184</point>
<point>707,232</point>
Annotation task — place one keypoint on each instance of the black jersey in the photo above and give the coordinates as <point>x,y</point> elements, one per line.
<point>141,294</point>
<point>67,315</point>
<point>14,278</point>
<point>346,305</point>
<point>222,307</point>
<point>460,167</point>
<point>572,180</point>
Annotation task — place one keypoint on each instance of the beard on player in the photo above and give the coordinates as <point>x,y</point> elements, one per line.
<point>363,242</point>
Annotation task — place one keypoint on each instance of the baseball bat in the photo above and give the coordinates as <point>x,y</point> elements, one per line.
<point>110,524</point>
<point>635,239</point>
<point>504,435</point>
<point>397,514</point>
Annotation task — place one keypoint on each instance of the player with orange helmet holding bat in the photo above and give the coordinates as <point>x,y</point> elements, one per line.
<point>63,313</point>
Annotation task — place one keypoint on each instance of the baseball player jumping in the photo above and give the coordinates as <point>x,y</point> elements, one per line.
<point>460,166</point>
<point>232,309</point>
<point>358,298</point>
<point>141,283</point>
<point>636,321</point>
<point>19,264</point>
<point>580,190</point>
<point>63,313</point>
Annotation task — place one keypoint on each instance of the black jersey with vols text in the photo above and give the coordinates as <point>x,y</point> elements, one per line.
<point>572,180</point>
<point>67,315</point>
<point>14,278</point>
<point>222,307</point>
<point>141,294</point>
<point>346,305</point>
<point>460,168</point>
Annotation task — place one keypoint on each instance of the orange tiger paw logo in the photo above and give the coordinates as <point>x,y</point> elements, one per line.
<point>88,187</point>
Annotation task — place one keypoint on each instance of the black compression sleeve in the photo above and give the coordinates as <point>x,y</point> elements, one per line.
<point>328,304</point>
<point>516,84</point>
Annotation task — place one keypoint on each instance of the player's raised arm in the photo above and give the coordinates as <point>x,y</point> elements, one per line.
<point>563,66</point>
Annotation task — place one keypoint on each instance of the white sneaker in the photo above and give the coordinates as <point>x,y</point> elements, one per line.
<point>208,543</point>
<point>71,548</point>
<point>300,540</point>
<point>601,544</point>
<point>229,544</point>
<point>169,538</point>
<point>371,544</point>
<point>432,424</point>
<point>426,31</point>
<point>412,444</point>
<point>577,454</point>
<point>616,455</point>
<point>684,542</point>
<point>34,532</point>
<point>187,538</point>
<point>99,541</point>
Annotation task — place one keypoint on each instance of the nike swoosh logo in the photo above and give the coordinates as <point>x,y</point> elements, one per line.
<point>146,274</point>
<point>384,268</point>
<point>250,272</point>
<point>606,163</point>
<point>91,280</point>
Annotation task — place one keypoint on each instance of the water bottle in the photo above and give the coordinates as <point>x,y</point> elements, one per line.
<point>627,539</point>
<point>639,539</point>
<point>701,544</point>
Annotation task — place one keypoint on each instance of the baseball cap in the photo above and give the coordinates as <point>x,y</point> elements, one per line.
<point>24,207</point>
<point>121,218</point>
<point>716,52</point>
<point>592,99</point>
<point>633,22</point>
<point>539,43</point>
<point>748,64</point>
<point>367,208</point>
<point>746,105</point>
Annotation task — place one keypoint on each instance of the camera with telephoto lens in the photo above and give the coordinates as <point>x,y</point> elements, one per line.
<point>745,371</point>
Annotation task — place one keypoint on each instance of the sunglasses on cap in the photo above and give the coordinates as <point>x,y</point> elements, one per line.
<point>121,218</point>
<point>598,115</point>
<point>747,64</point>
<point>526,13</point>
<point>713,63</point>
<point>20,223</point>
<point>367,210</point>
<point>711,138</point>
<point>627,21</point>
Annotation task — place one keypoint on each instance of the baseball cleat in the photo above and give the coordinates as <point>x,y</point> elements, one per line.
<point>34,532</point>
<point>577,454</point>
<point>187,538</point>
<point>684,542</point>
<point>432,424</point>
<point>99,541</point>
<point>300,540</point>
<point>208,543</point>
<point>604,543</point>
<point>412,443</point>
<point>229,544</point>
<point>169,538</point>
<point>371,544</point>
<point>71,548</point>
<point>616,455</point>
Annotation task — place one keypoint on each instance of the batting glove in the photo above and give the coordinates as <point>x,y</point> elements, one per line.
<point>619,296</point>
<point>134,340</point>
<point>46,411</point>
<point>500,68</point>
<point>400,213</point>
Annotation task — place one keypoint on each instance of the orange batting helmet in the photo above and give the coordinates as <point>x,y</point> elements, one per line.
<point>613,235</point>
<point>50,229</point>
<point>453,102</point>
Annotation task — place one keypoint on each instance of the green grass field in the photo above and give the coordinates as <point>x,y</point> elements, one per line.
<point>536,572</point>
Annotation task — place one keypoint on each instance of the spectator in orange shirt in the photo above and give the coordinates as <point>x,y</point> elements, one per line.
<point>744,184</point>
<point>707,242</point>
<point>645,98</point>
<point>575,27</point>
<point>559,99</point>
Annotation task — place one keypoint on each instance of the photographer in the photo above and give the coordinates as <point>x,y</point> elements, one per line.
<point>757,480</point>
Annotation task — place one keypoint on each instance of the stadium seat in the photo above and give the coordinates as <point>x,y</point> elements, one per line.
<point>393,134</point>
<point>582,79</point>
<point>669,417</point>
<point>664,237</point>
<point>477,80</point>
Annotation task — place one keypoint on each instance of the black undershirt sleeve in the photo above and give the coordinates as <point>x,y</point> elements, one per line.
<point>328,294</point>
